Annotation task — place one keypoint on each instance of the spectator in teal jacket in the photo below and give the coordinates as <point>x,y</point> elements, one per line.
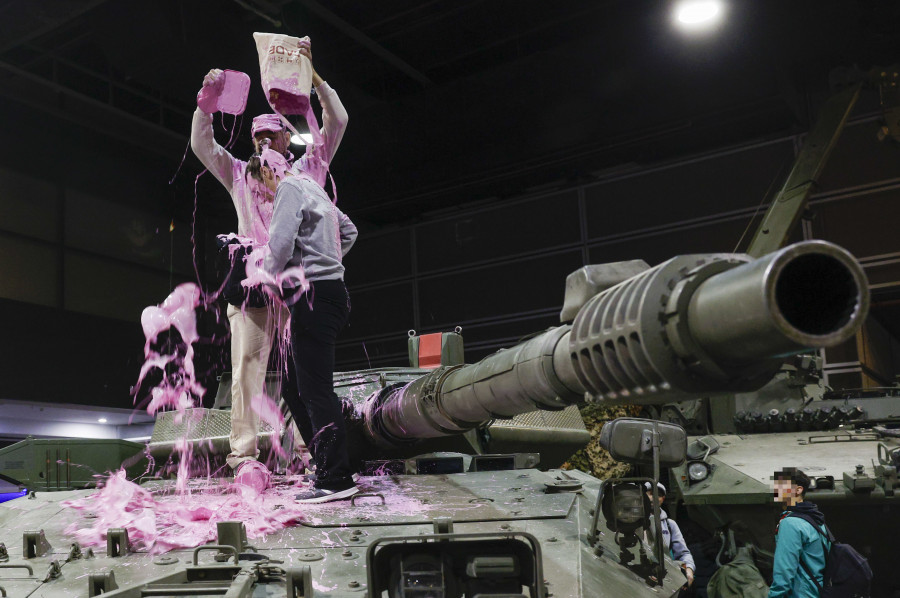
<point>797,542</point>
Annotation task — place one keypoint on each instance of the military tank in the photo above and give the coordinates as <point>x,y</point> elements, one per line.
<point>846,440</point>
<point>477,523</point>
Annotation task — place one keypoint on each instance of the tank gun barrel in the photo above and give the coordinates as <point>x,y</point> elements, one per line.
<point>693,326</point>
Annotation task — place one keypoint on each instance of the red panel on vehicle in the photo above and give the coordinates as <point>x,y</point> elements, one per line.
<point>430,350</point>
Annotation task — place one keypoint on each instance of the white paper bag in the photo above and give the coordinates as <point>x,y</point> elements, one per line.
<point>286,74</point>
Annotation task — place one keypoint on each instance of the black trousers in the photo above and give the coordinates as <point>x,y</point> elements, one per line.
<point>292,399</point>
<point>317,409</point>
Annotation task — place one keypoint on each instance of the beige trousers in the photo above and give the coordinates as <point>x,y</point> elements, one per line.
<point>252,333</point>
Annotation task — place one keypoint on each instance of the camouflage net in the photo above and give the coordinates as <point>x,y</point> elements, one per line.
<point>593,458</point>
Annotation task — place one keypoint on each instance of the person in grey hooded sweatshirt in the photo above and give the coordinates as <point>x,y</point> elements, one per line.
<point>310,234</point>
<point>673,540</point>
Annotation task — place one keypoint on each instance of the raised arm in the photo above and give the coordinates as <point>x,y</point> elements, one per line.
<point>334,115</point>
<point>203,142</point>
<point>334,119</point>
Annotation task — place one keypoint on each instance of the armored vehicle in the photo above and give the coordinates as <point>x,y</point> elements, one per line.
<point>848,441</point>
<point>484,521</point>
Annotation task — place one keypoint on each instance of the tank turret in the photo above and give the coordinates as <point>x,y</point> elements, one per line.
<point>693,326</point>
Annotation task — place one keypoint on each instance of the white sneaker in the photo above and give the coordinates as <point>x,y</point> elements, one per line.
<point>319,495</point>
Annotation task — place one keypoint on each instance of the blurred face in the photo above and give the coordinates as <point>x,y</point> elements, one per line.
<point>787,493</point>
<point>662,497</point>
<point>280,140</point>
<point>269,179</point>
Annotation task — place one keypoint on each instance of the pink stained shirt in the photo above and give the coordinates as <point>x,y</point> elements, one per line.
<point>253,207</point>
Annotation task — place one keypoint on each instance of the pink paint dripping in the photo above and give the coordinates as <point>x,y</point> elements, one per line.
<point>268,412</point>
<point>184,514</point>
<point>292,278</point>
<point>163,521</point>
<point>179,389</point>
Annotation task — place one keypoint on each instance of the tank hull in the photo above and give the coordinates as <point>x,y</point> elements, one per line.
<point>333,539</point>
<point>862,509</point>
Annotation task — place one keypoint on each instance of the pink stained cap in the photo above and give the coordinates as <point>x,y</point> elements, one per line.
<point>266,122</point>
<point>228,94</point>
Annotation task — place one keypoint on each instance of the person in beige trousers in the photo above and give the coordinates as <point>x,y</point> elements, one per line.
<point>254,329</point>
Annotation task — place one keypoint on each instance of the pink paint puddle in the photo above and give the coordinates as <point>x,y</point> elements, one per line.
<point>170,516</point>
<point>158,521</point>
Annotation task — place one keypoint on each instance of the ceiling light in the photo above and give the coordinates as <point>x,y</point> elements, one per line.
<point>301,139</point>
<point>102,420</point>
<point>698,14</point>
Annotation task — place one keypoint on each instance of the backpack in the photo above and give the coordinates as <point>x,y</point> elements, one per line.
<point>231,268</point>
<point>738,579</point>
<point>847,573</point>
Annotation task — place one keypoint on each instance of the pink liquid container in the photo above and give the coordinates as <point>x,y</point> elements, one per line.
<point>286,74</point>
<point>228,94</point>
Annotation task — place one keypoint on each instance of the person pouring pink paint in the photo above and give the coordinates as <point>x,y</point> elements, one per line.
<point>254,328</point>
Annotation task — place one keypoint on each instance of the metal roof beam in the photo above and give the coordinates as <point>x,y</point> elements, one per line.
<point>367,42</point>
<point>68,104</point>
<point>21,17</point>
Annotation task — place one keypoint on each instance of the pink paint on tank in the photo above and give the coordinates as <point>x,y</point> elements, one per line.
<point>163,520</point>
<point>160,521</point>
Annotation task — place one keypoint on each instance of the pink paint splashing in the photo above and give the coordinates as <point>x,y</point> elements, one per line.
<point>179,389</point>
<point>162,522</point>
<point>158,521</point>
<point>293,278</point>
<point>187,517</point>
<point>268,412</point>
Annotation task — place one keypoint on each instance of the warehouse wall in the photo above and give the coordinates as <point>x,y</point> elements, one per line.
<point>86,244</point>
